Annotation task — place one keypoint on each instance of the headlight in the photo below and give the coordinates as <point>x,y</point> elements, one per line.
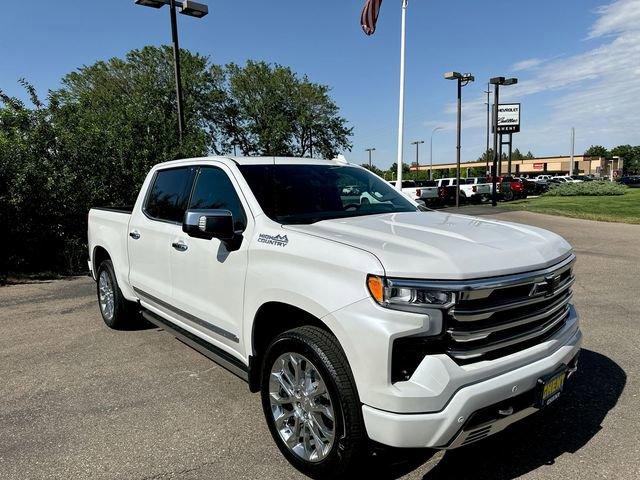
<point>399,295</point>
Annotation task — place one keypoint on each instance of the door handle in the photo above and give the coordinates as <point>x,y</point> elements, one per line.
<point>135,234</point>
<point>180,246</point>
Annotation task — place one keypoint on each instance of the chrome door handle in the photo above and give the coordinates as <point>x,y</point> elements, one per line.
<point>180,246</point>
<point>135,234</point>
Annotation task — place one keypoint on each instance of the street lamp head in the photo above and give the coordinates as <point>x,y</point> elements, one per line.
<point>466,79</point>
<point>417,142</point>
<point>151,3</point>
<point>510,81</point>
<point>452,76</point>
<point>497,81</point>
<point>194,9</point>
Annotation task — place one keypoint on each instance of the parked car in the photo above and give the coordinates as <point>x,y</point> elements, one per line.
<point>630,180</point>
<point>582,178</point>
<point>350,190</point>
<point>566,179</point>
<point>543,177</point>
<point>509,188</point>
<point>468,192</point>
<point>480,188</point>
<point>533,187</point>
<point>355,322</point>
<point>427,191</point>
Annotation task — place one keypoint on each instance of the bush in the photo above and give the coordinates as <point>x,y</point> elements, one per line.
<point>591,189</point>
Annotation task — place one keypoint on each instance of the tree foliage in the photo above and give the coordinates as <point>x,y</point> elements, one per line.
<point>269,110</point>
<point>92,141</point>
<point>597,151</point>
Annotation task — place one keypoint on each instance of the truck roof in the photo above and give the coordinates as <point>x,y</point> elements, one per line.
<point>262,160</point>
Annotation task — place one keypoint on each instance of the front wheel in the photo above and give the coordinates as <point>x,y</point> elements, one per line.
<point>311,404</point>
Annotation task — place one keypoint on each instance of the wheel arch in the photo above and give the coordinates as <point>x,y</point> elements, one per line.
<point>270,320</point>
<point>99,255</point>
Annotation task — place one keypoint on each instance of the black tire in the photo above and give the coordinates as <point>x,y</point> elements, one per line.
<point>324,352</point>
<point>124,313</point>
<point>508,196</point>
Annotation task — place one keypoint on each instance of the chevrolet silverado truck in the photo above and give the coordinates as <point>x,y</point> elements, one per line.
<point>360,323</point>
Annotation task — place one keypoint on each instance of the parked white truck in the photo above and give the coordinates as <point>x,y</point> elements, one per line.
<point>355,321</point>
<point>471,190</point>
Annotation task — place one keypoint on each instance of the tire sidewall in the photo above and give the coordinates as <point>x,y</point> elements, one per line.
<point>107,266</point>
<point>330,465</point>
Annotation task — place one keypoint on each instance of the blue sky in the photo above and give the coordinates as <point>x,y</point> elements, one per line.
<point>578,60</point>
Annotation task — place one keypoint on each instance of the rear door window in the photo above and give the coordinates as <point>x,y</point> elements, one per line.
<point>169,195</point>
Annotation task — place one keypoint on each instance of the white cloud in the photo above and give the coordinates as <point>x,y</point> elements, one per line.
<point>528,64</point>
<point>597,91</point>
<point>616,17</point>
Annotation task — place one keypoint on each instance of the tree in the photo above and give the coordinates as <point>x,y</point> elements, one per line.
<point>529,155</point>
<point>374,169</point>
<point>269,110</point>
<point>630,157</point>
<point>597,151</point>
<point>92,141</point>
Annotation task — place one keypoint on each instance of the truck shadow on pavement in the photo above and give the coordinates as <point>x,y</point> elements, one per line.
<point>564,427</point>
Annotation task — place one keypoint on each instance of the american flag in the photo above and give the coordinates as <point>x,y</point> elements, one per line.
<point>369,16</point>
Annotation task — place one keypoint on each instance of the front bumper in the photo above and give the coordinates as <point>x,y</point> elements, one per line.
<point>449,428</point>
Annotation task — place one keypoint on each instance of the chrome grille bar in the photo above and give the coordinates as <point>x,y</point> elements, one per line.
<point>492,317</point>
<point>523,337</point>
<point>482,333</point>
<point>473,315</point>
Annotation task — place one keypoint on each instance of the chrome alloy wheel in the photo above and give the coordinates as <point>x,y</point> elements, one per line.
<point>106,295</point>
<point>301,407</point>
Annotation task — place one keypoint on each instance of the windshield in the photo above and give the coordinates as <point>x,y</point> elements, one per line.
<point>303,194</point>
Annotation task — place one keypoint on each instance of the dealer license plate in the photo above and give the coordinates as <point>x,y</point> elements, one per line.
<point>551,388</point>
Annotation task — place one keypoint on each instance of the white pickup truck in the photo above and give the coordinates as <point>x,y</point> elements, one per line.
<point>471,190</point>
<point>425,190</point>
<point>355,321</point>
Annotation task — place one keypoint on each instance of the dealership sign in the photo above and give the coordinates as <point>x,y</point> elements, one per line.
<point>509,118</point>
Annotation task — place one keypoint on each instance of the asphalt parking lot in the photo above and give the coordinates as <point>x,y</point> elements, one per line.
<point>79,401</point>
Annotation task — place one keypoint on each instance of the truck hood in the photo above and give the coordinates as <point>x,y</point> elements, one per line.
<point>438,245</point>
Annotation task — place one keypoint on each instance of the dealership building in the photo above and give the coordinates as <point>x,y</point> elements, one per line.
<point>598,166</point>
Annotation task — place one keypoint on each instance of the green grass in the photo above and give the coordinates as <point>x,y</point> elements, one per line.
<point>622,208</point>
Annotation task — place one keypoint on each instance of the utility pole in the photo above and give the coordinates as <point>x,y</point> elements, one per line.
<point>370,150</point>
<point>431,152</point>
<point>461,80</point>
<point>573,150</point>
<point>417,143</point>
<point>488,92</point>
<point>192,9</point>
<point>403,38</point>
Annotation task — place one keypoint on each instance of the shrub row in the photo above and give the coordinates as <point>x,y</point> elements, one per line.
<point>586,189</point>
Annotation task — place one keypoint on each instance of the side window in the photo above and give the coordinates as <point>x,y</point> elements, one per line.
<point>170,193</point>
<point>214,190</point>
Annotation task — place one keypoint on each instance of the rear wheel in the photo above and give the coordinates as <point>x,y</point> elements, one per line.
<point>117,312</point>
<point>508,195</point>
<point>311,404</point>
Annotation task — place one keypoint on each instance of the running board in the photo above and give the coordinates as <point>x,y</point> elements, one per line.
<point>212,352</point>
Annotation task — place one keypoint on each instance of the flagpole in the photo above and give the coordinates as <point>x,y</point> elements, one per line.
<point>401,105</point>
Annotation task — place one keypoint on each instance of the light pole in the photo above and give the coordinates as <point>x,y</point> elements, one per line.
<point>403,41</point>
<point>431,152</point>
<point>496,82</point>
<point>488,92</point>
<point>192,9</point>
<point>417,143</point>
<point>370,150</point>
<point>462,81</point>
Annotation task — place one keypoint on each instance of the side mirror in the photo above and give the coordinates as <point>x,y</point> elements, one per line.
<point>209,224</point>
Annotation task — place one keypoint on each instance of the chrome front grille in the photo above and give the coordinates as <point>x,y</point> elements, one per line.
<point>496,316</point>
